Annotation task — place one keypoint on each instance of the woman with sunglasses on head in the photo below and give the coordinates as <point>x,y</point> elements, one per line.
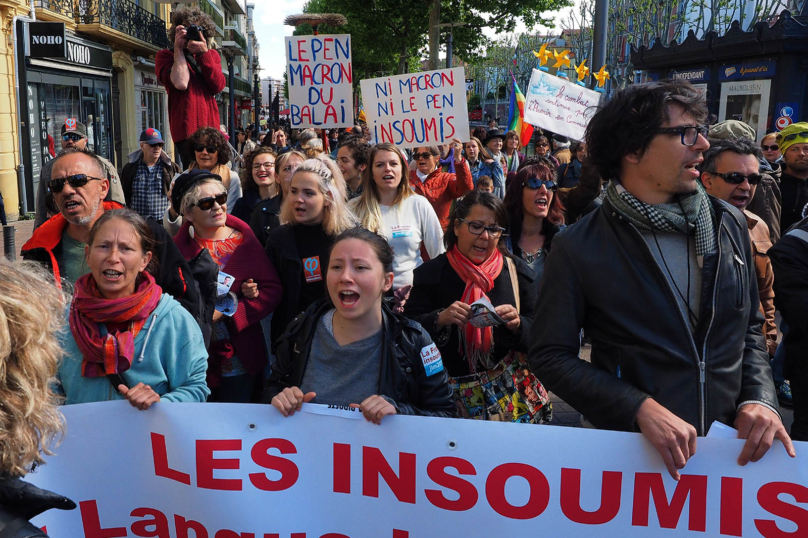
<point>482,164</point>
<point>313,213</point>
<point>237,350</point>
<point>484,359</point>
<point>439,187</point>
<point>389,206</point>
<point>536,214</point>
<point>259,184</point>
<point>212,153</point>
<point>128,339</point>
<point>349,349</point>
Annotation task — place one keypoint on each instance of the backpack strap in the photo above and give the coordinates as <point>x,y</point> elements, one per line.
<point>514,280</point>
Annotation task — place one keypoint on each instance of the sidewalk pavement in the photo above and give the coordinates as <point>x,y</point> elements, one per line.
<point>23,230</point>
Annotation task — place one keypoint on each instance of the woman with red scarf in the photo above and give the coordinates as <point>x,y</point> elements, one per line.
<point>482,346</point>
<point>128,339</point>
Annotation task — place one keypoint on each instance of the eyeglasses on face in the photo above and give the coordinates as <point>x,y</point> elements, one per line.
<point>477,228</point>
<point>71,136</point>
<point>205,204</point>
<point>536,183</point>
<point>76,181</point>
<point>688,133</point>
<point>424,155</point>
<point>269,165</point>
<point>769,148</point>
<point>199,148</point>
<point>736,178</point>
<point>787,138</point>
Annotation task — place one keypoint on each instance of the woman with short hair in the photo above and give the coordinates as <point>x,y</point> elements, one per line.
<point>439,187</point>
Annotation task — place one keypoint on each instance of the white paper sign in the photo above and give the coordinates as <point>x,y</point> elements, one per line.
<point>559,105</point>
<point>417,109</point>
<point>746,101</point>
<point>182,470</point>
<point>320,78</point>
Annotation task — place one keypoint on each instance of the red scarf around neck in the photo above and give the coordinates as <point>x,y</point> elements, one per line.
<point>112,353</point>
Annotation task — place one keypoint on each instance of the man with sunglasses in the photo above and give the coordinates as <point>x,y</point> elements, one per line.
<point>74,135</point>
<point>793,142</point>
<point>147,176</point>
<point>661,278</point>
<point>79,188</point>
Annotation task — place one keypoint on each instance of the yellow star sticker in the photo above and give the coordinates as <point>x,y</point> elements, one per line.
<point>543,55</point>
<point>602,76</point>
<point>561,59</point>
<point>582,70</point>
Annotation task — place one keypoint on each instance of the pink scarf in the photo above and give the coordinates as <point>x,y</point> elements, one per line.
<point>479,280</point>
<point>113,353</point>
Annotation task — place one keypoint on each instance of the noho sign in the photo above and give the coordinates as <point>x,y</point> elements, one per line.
<point>47,40</point>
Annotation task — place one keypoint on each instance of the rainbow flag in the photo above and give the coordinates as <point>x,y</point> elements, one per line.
<point>516,115</point>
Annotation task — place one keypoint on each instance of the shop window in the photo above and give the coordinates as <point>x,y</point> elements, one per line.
<point>152,111</point>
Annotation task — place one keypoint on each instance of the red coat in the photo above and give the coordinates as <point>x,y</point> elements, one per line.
<point>248,261</point>
<point>441,188</point>
<point>194,107</point>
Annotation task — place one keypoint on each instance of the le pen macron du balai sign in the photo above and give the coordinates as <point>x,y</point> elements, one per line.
<point>244,471</point>
<point>417,109</point>
<point>320,78</point>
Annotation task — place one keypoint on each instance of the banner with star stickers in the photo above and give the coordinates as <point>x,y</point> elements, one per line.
<point>559,104</point>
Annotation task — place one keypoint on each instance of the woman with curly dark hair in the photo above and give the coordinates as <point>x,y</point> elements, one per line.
<point>258,182</point>
<point>536,212</point>
<point>211,153</point>
<point>191,72</point>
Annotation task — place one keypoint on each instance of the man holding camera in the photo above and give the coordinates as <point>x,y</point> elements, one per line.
<point>192,76</point>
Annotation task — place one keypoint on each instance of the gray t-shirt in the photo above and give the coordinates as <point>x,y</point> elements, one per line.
<point>341,375</point>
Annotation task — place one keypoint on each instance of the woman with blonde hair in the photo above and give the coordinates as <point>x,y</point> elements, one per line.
<point>314,213</point>
<point>31,316</point>
<point>388,206</point>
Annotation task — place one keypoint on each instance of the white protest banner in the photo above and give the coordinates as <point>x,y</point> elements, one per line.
<point>559,105</point>
<point>417,109</point>
<point>320,78</point>
<point>231,470</point>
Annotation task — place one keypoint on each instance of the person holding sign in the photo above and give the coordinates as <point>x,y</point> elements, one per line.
<point>348,349</point>
<point>389,206</point>
<point>476,301</point>
<point>314,212</point>
<point>124,331</point>
<point>439,187</point>
<point>237,350</point>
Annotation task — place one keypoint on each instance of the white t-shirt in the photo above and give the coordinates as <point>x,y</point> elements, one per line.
<point>405,225</point>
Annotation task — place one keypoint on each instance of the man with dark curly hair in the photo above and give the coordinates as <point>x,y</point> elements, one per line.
<point>192,75</point>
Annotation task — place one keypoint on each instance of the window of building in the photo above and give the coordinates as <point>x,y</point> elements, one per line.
<point>152,111</point>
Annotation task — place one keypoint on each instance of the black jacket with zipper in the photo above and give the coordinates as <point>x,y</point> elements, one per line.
<point>402,380</point>
<point>602,276</point>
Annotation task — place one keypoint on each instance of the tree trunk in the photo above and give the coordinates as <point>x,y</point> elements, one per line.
<point>434,34</point>
<point>403,57</point>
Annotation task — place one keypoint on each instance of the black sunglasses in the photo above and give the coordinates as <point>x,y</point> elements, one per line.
<point>769,148</point>
<point>688,133</point>
<point>199,148</point>
<point>71,136</point>
<point>781,138</point>
<point>205,204</point>
<point>536,183</point>
<point>736,178</point>
<point>423,155</point>
<point>76,181</point>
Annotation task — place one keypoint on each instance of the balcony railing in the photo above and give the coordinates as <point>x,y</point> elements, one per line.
<point>126,17</point>
<point>213,11</point>
<point>231,33</point>
<point>242,85</point>
<point>62,7</point>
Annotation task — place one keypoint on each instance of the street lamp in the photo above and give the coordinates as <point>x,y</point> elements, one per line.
<point>256,103</point>
<point>449,45</point>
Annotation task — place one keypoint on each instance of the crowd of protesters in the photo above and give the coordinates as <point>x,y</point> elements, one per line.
<point>455,281</point>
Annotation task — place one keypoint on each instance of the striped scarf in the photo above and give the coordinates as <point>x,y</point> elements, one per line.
<point>113,352</point>
<point>690,214</point>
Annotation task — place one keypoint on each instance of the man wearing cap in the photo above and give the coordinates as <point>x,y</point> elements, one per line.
<point>793,142</point>
<point>74,135</point>
<point>494,140</point>
<point>561,148</point>
<point>147,176</point>
<point>79,188</point>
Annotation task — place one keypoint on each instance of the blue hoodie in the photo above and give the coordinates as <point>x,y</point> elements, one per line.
<point>173,364</point>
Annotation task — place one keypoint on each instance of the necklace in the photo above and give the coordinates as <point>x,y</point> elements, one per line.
<point>531,257</point>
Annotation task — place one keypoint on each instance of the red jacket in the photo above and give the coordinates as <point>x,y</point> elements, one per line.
<point>441,188</point>
<point>248,261</point>
<point>194,107</point>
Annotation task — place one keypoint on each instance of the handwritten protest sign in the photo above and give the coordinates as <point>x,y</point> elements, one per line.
<point>417,109</point>
<point>320,81</point>
<point>230,470</point>
<point>559,105</point>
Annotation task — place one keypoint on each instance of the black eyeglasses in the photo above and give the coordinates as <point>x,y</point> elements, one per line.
<point>781,138</point>
<point>199,148</point>
<point>688,133</point>
<point>536,183</point>
<point>76,181</point>
<point>769,148</point>
<point>71,136</point>
<point>423,155</point>
<point>477,228</point>
<point>736,178</point>
<point>205,204</point>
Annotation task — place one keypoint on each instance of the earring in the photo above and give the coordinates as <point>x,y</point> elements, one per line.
<point>191,231</point>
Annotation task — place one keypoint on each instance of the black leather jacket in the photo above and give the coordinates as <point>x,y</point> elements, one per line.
<point>602,276</point>
<point>21,501</point>
<point>403,379</point>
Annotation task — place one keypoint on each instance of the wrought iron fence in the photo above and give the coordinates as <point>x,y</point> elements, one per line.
<point>208,7</point>
<point>232,34</point>
<point>62,7</point>
<point>126,17</point>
